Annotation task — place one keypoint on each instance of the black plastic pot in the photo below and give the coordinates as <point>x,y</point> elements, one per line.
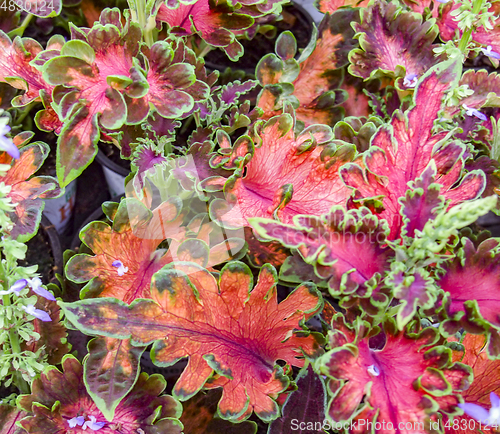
<point>114,173</point>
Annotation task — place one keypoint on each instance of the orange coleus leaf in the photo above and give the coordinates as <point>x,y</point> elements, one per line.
<point>333,5</point>
<point>486,380</point>
<point>225,326</point>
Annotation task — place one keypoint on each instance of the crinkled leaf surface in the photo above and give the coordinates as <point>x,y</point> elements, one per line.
<point>471,286</point>
<point>333,5</point>
<point>110,371</point>
<point>287,174</point>
<point>392,42</point>
<point>401,151</point>
<point>59,396</point>
<point>223,326</point>
<point>41,9</point>
<point>306,404</point>
<point>348,248</point>
<point>27,191</point>
<point>373,381</point>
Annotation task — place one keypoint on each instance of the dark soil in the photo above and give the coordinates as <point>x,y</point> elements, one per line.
<point>294,20</point>
<point>113,153</point>
<point>40,253</point>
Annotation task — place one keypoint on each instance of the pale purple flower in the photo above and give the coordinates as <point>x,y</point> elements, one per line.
<point>491,417</point>
<point>410,80</point>
<point>7,144</point>
<point>92,424</point>
<point>37,313</point>
<point>121,268</point>
<point>373,371</point>
<point>473,112</point>
<point>487,52</point>
<point>36,285</point>
<point>17,287</point>
<point>443,1</point>
<point>77,420</point>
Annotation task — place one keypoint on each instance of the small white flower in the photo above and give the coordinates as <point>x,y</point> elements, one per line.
<point>37,313</point>
<point>473,112</point>
<point>373,370</point>
<point>487,52</point>
<point>92,424</point>
<point>77,420</point>
<point>121,268</point>
<point>410,80</point>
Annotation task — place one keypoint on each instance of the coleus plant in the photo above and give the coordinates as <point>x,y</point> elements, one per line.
<point>368,209</point>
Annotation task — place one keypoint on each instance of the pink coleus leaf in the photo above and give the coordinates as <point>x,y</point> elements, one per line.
<point>471,291</point>
<point>91,76</point>
<point>317,78</point>
<point>59,400</point>
<point>192,315</point>
<point>15,68</point>
<point>402,150</point>
<point>392,42</point>
<point>310,398</point>
<point>28,191</point>
<point>346,247</point>
<point>214,21</point>
<point>110,371</point>
<point>9,416</point>
<point>368,380</point>
<point>281,163</point>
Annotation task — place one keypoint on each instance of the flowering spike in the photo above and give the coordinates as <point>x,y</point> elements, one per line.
<point>92,424</point>
<point>477,412</point>
<point>17,287</point>
<point>77,420</point>
<point>37,313</point>
<point>36,285</point>
<point>488,52</point>
<point>7,144</point>
<point>473,112</point>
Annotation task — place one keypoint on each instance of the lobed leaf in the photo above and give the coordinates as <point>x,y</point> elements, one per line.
<point>222,326</point>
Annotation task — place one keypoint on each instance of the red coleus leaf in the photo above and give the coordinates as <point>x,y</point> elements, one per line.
<point>286,175</point>
<point>15,68</point>
<point>261,253</point>
<point>123,242</point>
<point>9,416</point>
<point>393,43</point>
<point>346,247</point>
<point>305,405</point>
<point>91,75</point>
<point>486,380</point>
<point>213,20</point>
<point>333,5</point>
<point>110,371</point>
<point>367,381</point>
<point>226,326</point>
<point>58,397</point>
<point>472,292</point>
<point>401,151</point>
<point>317,76</point>
<point>27,191</point>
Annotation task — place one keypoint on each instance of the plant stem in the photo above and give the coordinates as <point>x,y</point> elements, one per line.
<point>20,30</point>
<point>466,36</point>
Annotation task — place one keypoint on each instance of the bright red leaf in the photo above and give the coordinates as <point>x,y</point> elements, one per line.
<point>224,326</point>
<point>369,383</point>
<point>333,5</point>
<point>402,150</point>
